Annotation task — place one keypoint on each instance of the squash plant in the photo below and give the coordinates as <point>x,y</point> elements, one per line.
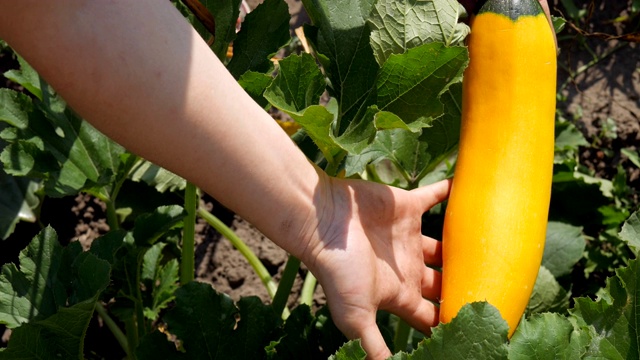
<point>392,72</point>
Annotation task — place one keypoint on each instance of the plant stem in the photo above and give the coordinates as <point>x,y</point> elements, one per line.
<point>286,283</point>
<point>308,288</point>
<point>112,217</point>
<point>401,338</point>
<point>251,257</point>
<point>187,266</point>
<point>132,336</point>
<point>114,328</point>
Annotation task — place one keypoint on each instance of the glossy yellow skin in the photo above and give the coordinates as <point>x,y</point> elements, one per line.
<point>496,218</point>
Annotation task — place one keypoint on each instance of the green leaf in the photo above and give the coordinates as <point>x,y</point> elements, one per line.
<point>60,336</point>
<point>415,155</point>
<point>32,292</point>
<point>255,83</point>
<point>350,351</point>
<point>204,334</point>
<point>226,14</point>
<point>564,247</point>
<point>547,294</point>
<point>27,77</point>
<point>17,202</point>
<point>15,108</point>
<point>149,227</point>
<point>58,146</point>
<point>410,84</point>
<point>567,142</point>
<point>294,343</point>
<point>477,332</point>
<point>49,278</point>
<point>546,336</point>
<point>153,175</point>
<point>255,327</point>
<point>614,319</point>
<point>634,156</point>
<point>263,32</point>
<point>400,25</point>
<point>630,232</point>
<point>298,85</point>
<point>317,121</point>
<point>340,38</point>
<point>164,287</point>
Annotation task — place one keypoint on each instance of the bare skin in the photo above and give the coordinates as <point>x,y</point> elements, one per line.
<point>139,73</point>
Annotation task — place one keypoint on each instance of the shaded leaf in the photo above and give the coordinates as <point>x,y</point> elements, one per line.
<point>158,177</point>
<point>17,202</point>
<point>564,247</point>
<point>340,38</point>
<point>60,336</point>
<point>263,32</point>
<point>149,227</point>
<point>547,294</point>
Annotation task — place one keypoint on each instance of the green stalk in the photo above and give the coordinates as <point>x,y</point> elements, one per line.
<point>115,330</point>
<point>286,283</point>
<point>187,264</point>
<point>251,257</point>
<point>308,288</point>
<point>132,336</point>
<point>400,340</point>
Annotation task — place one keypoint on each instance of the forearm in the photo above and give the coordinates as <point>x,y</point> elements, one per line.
<point>139,73</point>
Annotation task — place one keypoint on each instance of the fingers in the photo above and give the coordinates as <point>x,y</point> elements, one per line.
<point>424,316</point>
<point>432,251</point>
<point>431,284</point>
<point>369,334</point>
<point>433,194</point>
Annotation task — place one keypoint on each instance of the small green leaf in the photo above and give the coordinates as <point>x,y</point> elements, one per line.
<point>15,108</point>
<point>153,175</point>
<point>263,32</point>
<point>26,77</point>
<point>546,336</point>
<point>17,202</point>
<point>400,25</point>
<point>633,156</point>
<point>149,227</point>
<point>630,232</point>
<point>547,294</point>
<point>317,121</point>
<point>255,83</point>
<point>564,247</point>
<point>298,85</point>
<point>164,287</point>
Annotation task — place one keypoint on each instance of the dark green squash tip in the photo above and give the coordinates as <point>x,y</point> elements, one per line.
<point>513,9</point>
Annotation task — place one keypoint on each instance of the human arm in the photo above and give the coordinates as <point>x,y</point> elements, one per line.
<point>140,74</point>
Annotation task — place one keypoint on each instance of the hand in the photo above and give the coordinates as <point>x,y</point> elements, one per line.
<point>370,254</point>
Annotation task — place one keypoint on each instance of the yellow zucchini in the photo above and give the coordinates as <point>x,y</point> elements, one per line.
<point>496,217</point>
